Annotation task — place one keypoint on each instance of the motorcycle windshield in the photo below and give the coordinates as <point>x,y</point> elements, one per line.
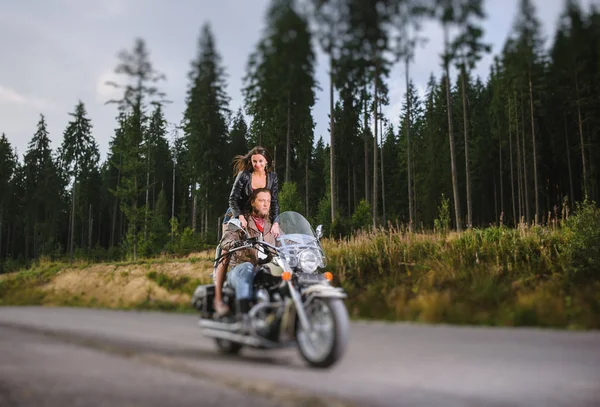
<point>292,223</point>
<point>296,235</point>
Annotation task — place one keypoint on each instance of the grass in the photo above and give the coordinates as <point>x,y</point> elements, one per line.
<point>158,283</point>
<point>493,276</point>
<point>546,276</point>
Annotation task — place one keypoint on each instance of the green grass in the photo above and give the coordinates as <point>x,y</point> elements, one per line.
<point>546,276</point>
<point>25,286</point>
<point>530,276</point>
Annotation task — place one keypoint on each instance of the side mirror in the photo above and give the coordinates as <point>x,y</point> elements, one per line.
<point>319,231</point>
<point>234,225</point>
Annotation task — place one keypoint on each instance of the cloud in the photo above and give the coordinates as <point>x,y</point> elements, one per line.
<point>106,92</point>
<point>10,96</point>
<point>115,7</point>
<point>100,8</point>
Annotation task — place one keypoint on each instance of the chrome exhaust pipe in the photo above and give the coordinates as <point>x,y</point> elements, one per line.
<point>220,326</point>
<point>230,336</point>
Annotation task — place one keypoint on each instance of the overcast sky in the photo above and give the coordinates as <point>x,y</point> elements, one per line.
<point>54,53</point>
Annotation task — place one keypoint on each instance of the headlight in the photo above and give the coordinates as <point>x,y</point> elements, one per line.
<point>308,261</point>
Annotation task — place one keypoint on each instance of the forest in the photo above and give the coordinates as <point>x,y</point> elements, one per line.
<point>520,147</point>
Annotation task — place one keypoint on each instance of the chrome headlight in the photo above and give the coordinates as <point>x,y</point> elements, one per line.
<point>308,261</point>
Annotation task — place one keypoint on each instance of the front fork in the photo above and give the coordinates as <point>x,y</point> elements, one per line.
<point>299,307</point>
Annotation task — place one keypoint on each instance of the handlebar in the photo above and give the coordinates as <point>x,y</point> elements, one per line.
<point>248,244</point>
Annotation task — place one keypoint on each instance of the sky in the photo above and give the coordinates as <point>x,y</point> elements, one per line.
<point>55,53</point>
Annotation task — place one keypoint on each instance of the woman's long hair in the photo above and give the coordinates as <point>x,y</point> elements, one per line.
<point>244,162</point>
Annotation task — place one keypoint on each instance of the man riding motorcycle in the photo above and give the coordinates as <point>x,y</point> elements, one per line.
<point>243,262</point>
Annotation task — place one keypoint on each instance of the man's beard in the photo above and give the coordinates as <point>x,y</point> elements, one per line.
<point>257,214</point>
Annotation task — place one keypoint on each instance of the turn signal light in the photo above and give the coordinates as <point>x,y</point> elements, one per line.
<point>286,276</point>
<point>328,276</point>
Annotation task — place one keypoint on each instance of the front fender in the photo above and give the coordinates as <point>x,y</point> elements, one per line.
<point>323,290</point>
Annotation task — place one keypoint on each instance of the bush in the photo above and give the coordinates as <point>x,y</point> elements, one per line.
<point>442,222</point>
<point>362,218</point>
<point>290,199</point>
<point>582,241</point>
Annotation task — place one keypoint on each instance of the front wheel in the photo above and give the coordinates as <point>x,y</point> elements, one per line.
<point>228,347</point>
<point>325,344</point>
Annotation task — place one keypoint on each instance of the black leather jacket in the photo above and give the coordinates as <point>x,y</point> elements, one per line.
<point>241,190</point>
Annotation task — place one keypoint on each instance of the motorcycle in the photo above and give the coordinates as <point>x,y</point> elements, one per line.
<point>294,305</point>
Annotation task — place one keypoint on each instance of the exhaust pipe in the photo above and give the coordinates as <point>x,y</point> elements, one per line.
<point>230,336</point>
<point>220,326</point>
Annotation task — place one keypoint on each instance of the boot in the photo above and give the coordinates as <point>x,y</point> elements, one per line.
<point>221,309</point>
<point>243,306</point>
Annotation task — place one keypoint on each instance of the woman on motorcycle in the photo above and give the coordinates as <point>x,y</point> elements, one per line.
<point>253,170</point>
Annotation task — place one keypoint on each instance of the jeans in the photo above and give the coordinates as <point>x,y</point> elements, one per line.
<point>228,215</point>
<point>241,278</point>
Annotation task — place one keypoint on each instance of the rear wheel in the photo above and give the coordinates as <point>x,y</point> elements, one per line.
<point>325,344</point>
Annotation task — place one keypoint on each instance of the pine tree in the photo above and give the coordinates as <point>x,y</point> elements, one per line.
<point>43,194</point>
<point>467,50</point>
<point>137,95</point>
<point>408,22</point>
<point>238,135</point>
<point>8,164</point>
<point>279,90</point>
<point>79,158</point>
<point>206,132</point>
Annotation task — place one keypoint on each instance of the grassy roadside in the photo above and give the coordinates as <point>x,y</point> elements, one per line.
<point>530,276</point>
<point>160,283</point>
<point>495,276</point>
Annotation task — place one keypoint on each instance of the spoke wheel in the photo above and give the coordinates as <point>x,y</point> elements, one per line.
<point>325,343</point>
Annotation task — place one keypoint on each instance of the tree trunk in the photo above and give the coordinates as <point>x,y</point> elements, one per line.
<point>173,200</point>
<point>100,225</point>
<point>382,168</point>
<point>147,194</point>
<point>91,223</point>
<point>71,242</point>
<point>206,213</point>
<point>135,219</point>
<point>375,120</point>
<point>535,176</point>
<point>194,206</point>
<point>451,138</point>
<point>581,143</point>
<point>495,200</point>
<point>288,139</point>
<point>366,137</point>
<point>331,144</point>
<point>122,224</point>
<point>519,166</point>
<point>414,190</point>
<point>349,183</point>
<point>355,199</point>
<point>501,176</point>
<point>1,218</point>
<point>568,151</point>
<point>306,182</point>
<point>8,241</point>
<point>114,217</point>
<point>408,154</point>
<point>466,132</point>
<point>525,179</point>
<point>13,240</point>
<point>512,176</point>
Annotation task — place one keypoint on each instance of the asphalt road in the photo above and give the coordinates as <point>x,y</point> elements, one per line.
<point>84,357</point>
